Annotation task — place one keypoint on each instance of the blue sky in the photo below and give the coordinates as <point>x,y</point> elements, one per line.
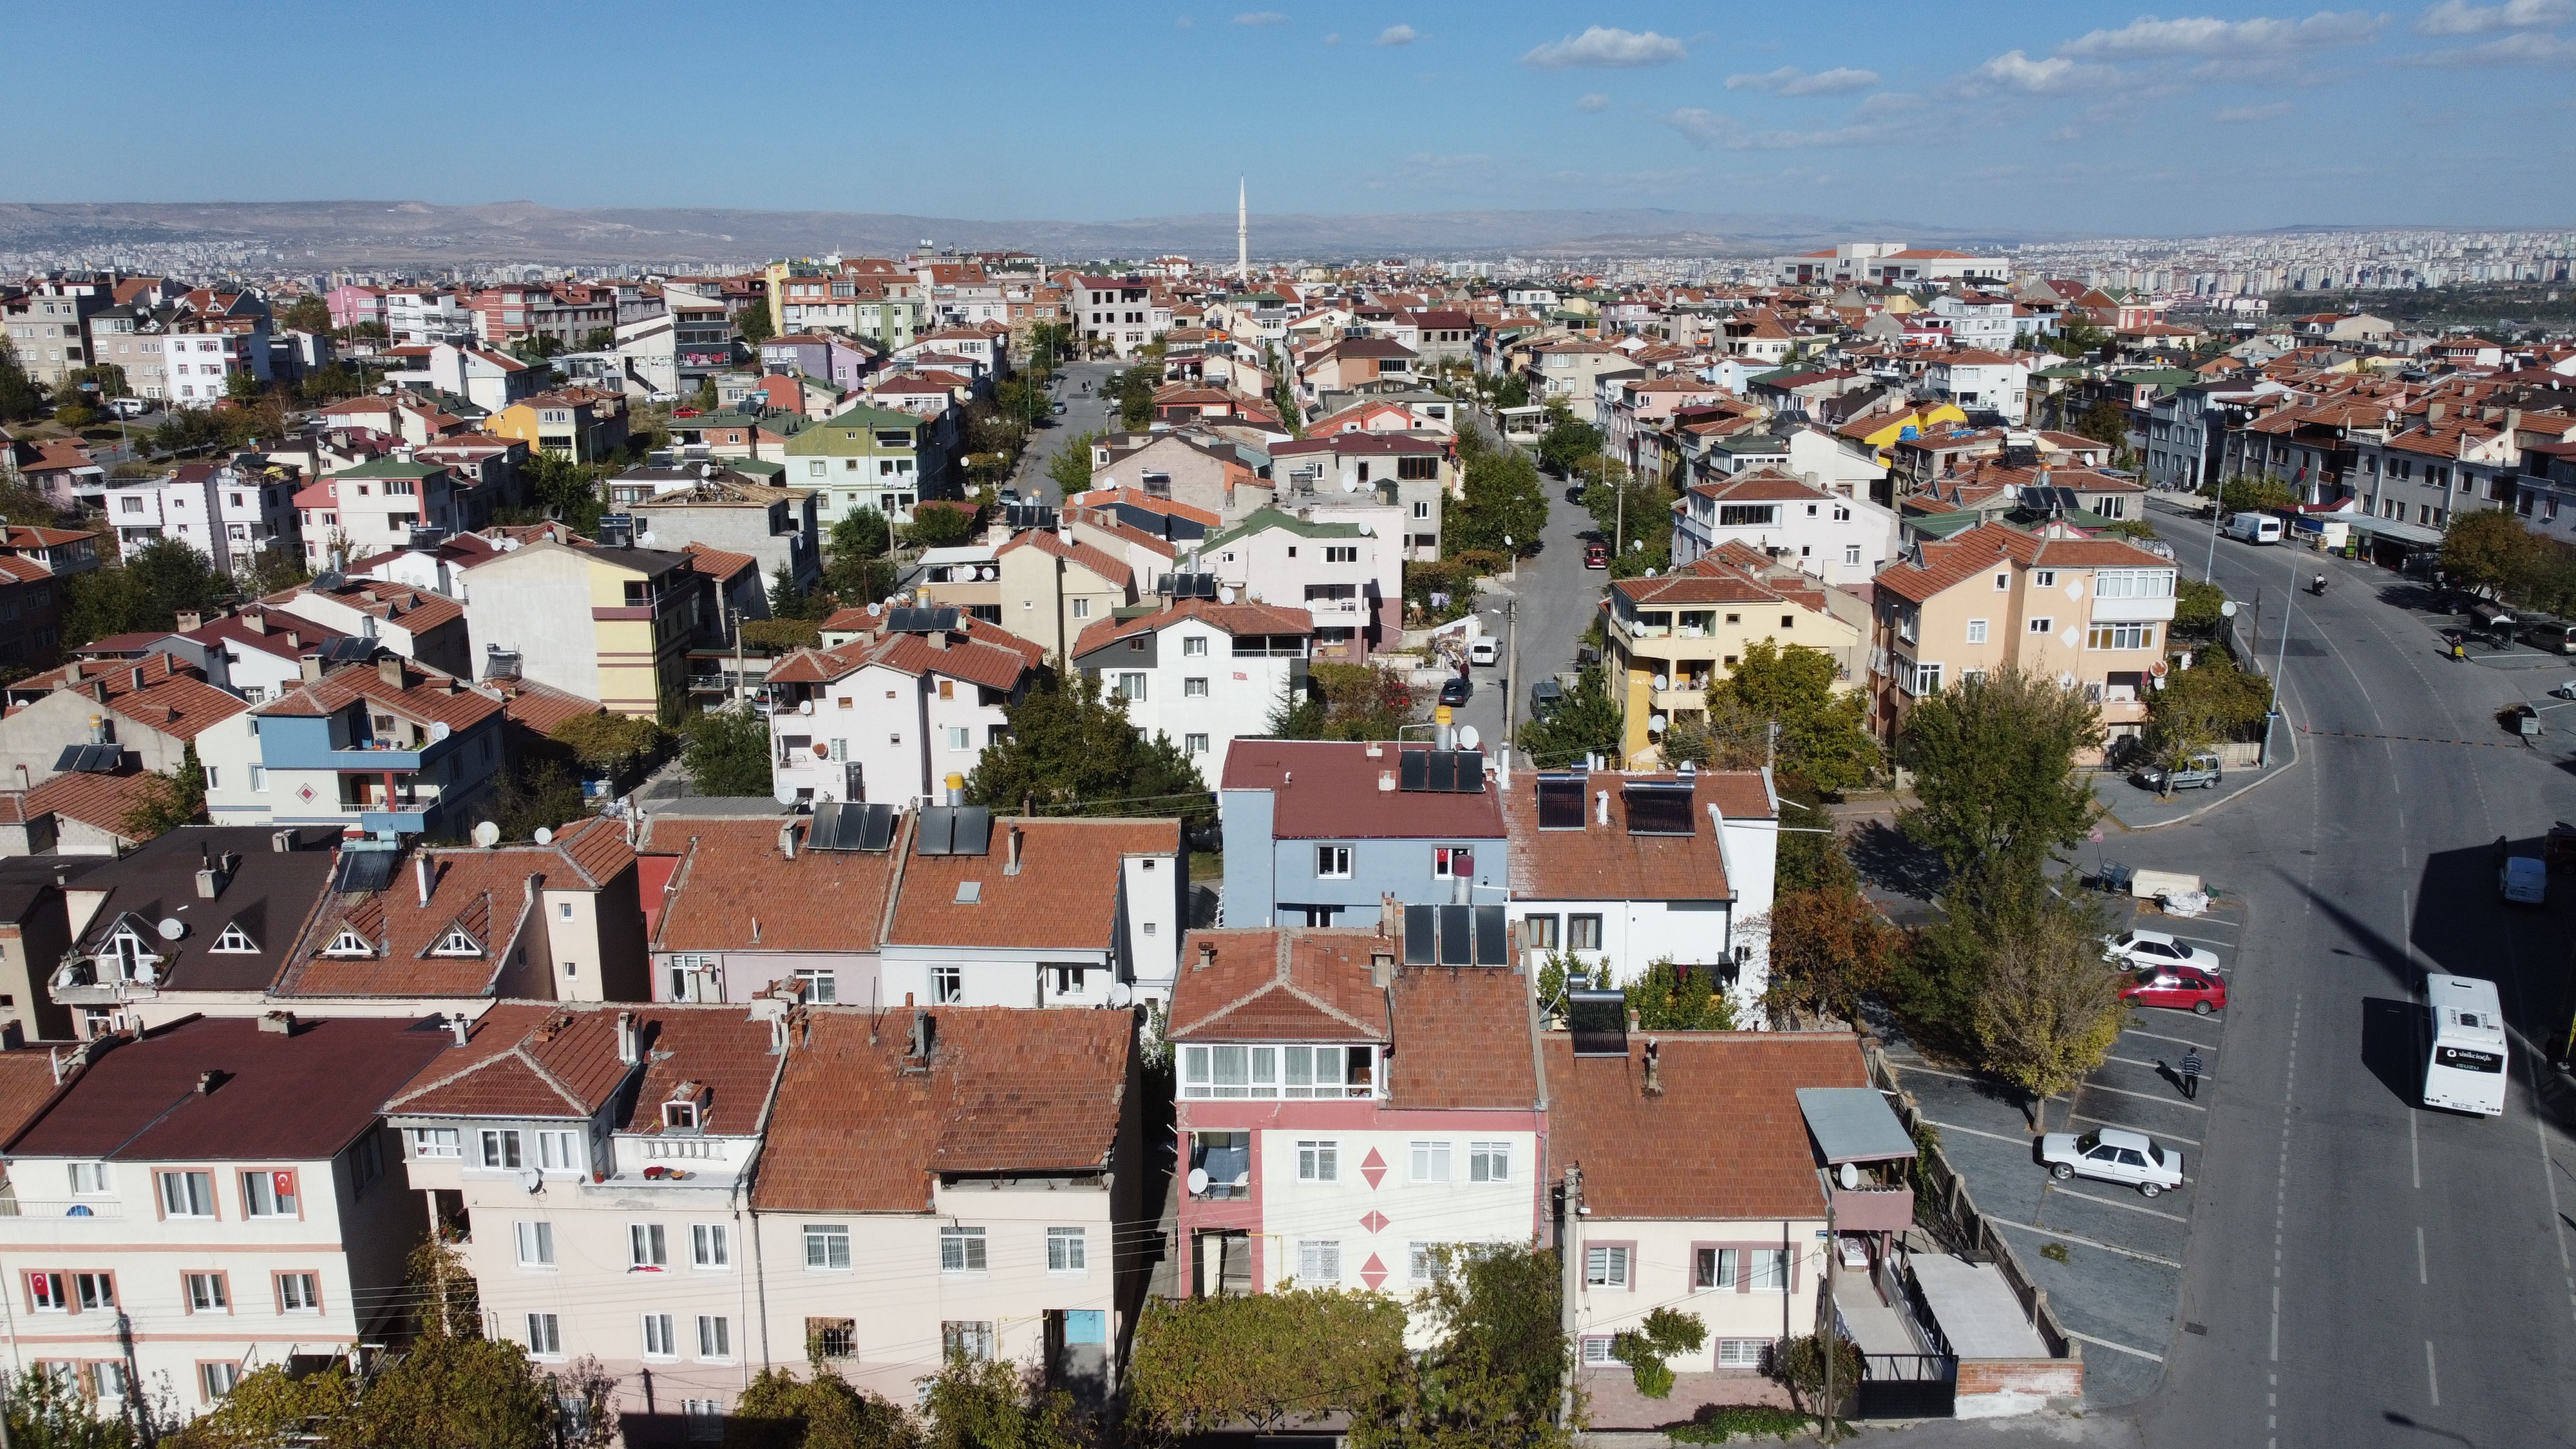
<point>2067,116</point>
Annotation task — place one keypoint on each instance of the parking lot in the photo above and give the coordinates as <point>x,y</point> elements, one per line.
<point>2109,1257</point>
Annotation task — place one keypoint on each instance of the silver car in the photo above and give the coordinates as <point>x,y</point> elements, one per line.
<point>2113,1154</point>
<point>2155,948</point>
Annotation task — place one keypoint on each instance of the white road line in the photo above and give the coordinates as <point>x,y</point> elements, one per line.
<point>2151,1066</point>
<point>2432,1374</point>
<point>2142,1096</point>
<point>2159,1136</point>
<point>2114,1347</point>
<point>2087,1242</point>
<point>2177,1040</point>
<point>2115,1203</point>
<point>1973,1132</point>
<point>2421,1276</point>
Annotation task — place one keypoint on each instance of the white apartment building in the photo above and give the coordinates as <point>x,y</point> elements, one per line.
<point>228,515</point>
<point>198,366</point>
<point>1837,537</point>
<point>888,716</point>
<point>419,317</point>
<point>1028,912</point>
<point>1200,672</point>
<point>1978,379</point>
<point>188,1208</point>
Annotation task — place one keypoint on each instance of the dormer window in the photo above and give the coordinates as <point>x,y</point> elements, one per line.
<point>348,943</point>
<point>234,942</point>
<point>686,1111</point>
<point>456,943</point>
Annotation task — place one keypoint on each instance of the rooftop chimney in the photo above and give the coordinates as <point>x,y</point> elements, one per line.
<point>630,1047</point>
<point>190,620</point>
<point>1207,955</point>
<point>207,1081</point>
<point>462,1027</point>
<point>256,621</point>
<point>389,669</point>
<point>312,664</point>
<point>420,876</point>
<point>787,840</point>
<point>1014,867</point>
<point>1654,1069</point>
<point>280,1022</point>
<point>1381,968</point>
<point>1600,807</point>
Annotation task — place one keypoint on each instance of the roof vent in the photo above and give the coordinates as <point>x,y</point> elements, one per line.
<point>280,1022</point>
<point>207,1081</point>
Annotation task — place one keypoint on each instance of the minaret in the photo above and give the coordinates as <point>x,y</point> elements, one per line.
<point>1242,234</point>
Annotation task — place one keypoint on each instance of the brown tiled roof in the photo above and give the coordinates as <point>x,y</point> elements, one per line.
<point>1284,984</point>
<point>541,707</point>
<point>26,1084</point>
<point>1329,789</point>
<point>732,876</point>
<point>181,706</point>
<point>416,699</point>
<point>1462,1039</point>
<point>1231,618</point>
<point>985,655</point>
<point>1045,541</point>
<point>413,609</point>
<point>1605,862</point>
<point>280,1097</point>
<point>522,1059</point>
<point>720,1048</point>
<point>1009,1091</point>
<point>716,563</point>
<point>100,800</point>
<point>1065,895</point>
<point>1759,1166</point>
<point>491,894</point>
<point>1960,558</point>
<point>1716,585</point>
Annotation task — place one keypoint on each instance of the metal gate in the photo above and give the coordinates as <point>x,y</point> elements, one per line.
<point>1907,1386</point>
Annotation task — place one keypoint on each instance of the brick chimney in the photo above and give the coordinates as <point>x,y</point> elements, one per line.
<point>390,670</point>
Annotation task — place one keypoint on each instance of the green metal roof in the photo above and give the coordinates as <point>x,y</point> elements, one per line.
<point>1262,519</point>
<point>390,468</point>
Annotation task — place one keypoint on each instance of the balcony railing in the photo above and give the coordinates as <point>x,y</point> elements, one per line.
<point>87,1207</point>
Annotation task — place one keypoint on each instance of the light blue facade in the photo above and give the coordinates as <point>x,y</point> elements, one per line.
<point>428,783</point>
<point>1275,882</point>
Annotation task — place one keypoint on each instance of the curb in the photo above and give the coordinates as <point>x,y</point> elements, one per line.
<point>2268,777</point>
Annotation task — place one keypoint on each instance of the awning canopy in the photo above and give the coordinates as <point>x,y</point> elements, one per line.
<point>1853,1124</point>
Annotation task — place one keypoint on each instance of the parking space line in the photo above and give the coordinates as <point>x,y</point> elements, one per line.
<point>2108,1202</point>
<point>2142,1096</point>
<point>2125,1127</point>
<point>2176,1040</point>
<point>2114,1347</point>
<point>2087,1242</point>
<point>2150,1066</point>
<point>1973,1132</point>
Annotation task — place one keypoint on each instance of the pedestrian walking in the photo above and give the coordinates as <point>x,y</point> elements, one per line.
<point>2191,1065</point>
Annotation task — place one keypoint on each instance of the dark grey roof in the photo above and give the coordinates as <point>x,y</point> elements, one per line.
<point>1853,1124</point>
<point>268,895</point>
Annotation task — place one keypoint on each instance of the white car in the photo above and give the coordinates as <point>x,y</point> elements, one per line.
<point>2524,880</point>
<point>2155,948</point>
<point>2112,1154</point>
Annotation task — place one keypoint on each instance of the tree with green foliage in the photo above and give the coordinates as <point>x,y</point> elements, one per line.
<point>2246,493</point>
<point>171,799</point>
<point>778,636</point>
<point>1265,1361</point>
<point>754,325</point>
<point>269,1406</point>
<point>611,744</point>
<point>859,568</point>
<point>20,503</point>
<point>788,601</point>
<point>728,752</point>
<point>20,396</point>
<point>942,525</point>
<point>307,313</point>
<point>2047,1012</point>
<point>1667,997</point>
<point>2197,605</point>
<point>1070,750</point>
<point>2077,336</point>
<point>156,581</point>
<point>1829,945</point>
<point>599,339</point>
<point>1134,391</point>
<point>1071,466</point>
<point>1586,722</point>
<point>540,794</point>
<point>1495,1370</point>
<point>47,1410</point>
<point>567,491</point>
<point>1664,1333</point>
<point>1569,445</point>
<point>1504,498</point>
<point>1824,735</point>
<point>275,570</point>
<point>778,1410</point>
<point>995,1405</point>
<point>1994,772</point>
<point>2488,551</point>
<point>1344,702</point>
<point>451,1391</point>
<point>2105,422</point>
<point>108,379</point>
<point>1512,391</point>
<point>243,386</point>
<point>1023,397</point>
<point>1800,1363</point>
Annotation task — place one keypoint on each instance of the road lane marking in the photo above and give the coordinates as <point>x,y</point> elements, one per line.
<point>1973,1132</point>
<point>2114,1347</point>
<point>2159,1136</point>
<point>2151,1066</point>
<point>2143,1096</point>
<point>2111,1202</point>
<point>2420,1276</point>
<point>2087,1242</point>
<point>2176,1040</point>
<point>2432,1374</point>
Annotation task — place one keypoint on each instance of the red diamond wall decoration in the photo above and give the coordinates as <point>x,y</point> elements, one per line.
<point>1375,1222</point>
<point>1372,1272</point>
<point>304,793</point>
<point>1372,1167</point>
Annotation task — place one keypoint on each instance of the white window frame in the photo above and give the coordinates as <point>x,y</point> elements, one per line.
<point>648,1248</point>
<point>1977,631</point>
<point>825,1242</point>
<point>658,1336</point>
<point>545,1335</point>
<point>1607,1266</point>
<point>964,1250</point>
<point>1428,1160</point>
<point>715,1338</point>
<point>1489,1162</point>
<point>536,1243</point>
<point>710,1248</point>
<point>1068,1251</point>
<point>1332,862</point>
<point>1319,1262</point>
<point>1319,1160</point>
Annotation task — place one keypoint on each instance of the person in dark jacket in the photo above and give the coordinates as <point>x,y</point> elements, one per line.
<point>2191,1065</point>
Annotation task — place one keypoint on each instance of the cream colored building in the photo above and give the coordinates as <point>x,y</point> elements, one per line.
<point>2089,613</point>
<point>1671,638</point>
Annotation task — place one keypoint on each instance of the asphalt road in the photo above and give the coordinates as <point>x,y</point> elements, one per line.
<point>1082,414</point>
<point>2359,1270</point>
<point>1557,598</point>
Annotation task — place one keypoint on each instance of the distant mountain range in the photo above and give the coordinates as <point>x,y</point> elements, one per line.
<point>412,233</point>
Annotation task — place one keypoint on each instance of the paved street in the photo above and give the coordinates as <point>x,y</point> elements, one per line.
<point>1558,597</point>
<point>1082,414</point>
<point>2357,1270</point>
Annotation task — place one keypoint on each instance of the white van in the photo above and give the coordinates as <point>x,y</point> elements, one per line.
<point>1481,650</point>
<point>2254,528</point>
<point>2466,1072</point>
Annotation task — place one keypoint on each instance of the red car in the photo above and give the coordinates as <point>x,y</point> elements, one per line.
<point>2183,988</point>
<point>1596,555</point>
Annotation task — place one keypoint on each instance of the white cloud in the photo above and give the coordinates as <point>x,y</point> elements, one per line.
<point>2207,35</point>
<point>2528,48</point>
<point>1788,80</point>
<point>1716,131</point>
<point>1184,22</point>
<point>2237,115</point>
<point>1595,102</point>
<point>1398,35</point>
<point>1261,17</point>
<point>2459,17</point>
<point>2016,71</point>
<point>1604,45</point>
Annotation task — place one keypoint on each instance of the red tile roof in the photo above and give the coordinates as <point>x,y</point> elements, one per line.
<point>1330,789</point>
<point>1606,862</point>
<point>101,801</point>
<point>1110,570</point>
<point>1310,984</point>
<point>418,698</point>
<point>732,882</point>
<point>489,894</point>
<point>1463,1038</point>
<point>1760,1167</point>
<point>1065,895</point>
<point>1230,618</point>
<point>522,1059</point>
<point>1009,1091</point>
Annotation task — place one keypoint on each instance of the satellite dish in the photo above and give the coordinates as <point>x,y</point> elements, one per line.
<point>1656,723</point>
<point>805,706</point>
<point>1225,595</point>
<point>530,1179</point>
<point>544,836</point>
<point>785,794</point>
<point>487,834</point>
<point>1467,737</point>
<point>1662,683</point>
<point>1198,1182</point>
<point>1366,531</point>
<point>440,731</point>
<point>171,928</point>
<point>1120,993</point>
<point>1350,485</point>
<point>1849,1177</point>
<point>2228,609</point>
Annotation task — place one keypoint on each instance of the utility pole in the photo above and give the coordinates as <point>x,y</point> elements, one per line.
<point>1570,1272</point>
<point>1828,1335</point>
<point>1511,675</point>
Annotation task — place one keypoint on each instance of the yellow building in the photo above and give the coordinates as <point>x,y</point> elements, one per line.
<point>610,624</point>
<point>576,423</point>
<point>1670,638</point>
<point>1881,432</point>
